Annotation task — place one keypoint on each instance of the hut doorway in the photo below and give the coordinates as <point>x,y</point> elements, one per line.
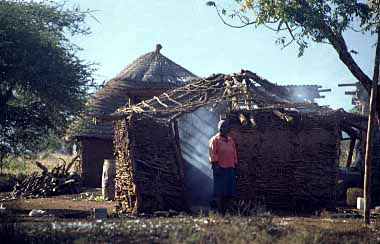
<point>195,130</point>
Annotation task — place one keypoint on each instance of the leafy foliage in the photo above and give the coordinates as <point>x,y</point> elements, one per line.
<point>305,20</point>
<point>43,84</point>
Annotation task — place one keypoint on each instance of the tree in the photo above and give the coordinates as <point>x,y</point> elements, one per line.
<point>43,84</point>
<point>320,21</point>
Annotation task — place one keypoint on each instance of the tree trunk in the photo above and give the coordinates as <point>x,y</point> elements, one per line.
<point>337,41</point>
<point>378,106</point>
<point>369,145</point>
<point>2,157</point>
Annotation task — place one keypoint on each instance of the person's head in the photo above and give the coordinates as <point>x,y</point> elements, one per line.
<point>223,127</point>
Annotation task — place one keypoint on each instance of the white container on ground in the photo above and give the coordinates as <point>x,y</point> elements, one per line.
<point>108,179</point>
<point>2,209</point>
<point>360,203</point>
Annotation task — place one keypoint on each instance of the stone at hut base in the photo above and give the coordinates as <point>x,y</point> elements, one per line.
<point>99,213</point>
<point>37,213</point>
<point>166,214</point>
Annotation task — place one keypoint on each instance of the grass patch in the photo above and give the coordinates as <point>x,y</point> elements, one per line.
<point>26,165</point>
<point>186,229</point>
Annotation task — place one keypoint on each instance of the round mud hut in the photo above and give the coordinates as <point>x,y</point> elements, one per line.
<point>149,75</point>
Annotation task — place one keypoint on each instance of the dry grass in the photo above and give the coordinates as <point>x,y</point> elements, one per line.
<point>187,229</point>
<point>21,165</point>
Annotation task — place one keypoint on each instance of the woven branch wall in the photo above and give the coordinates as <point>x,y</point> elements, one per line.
<point>148,167</point>
<point>287,166</point>
<point>282,165</point>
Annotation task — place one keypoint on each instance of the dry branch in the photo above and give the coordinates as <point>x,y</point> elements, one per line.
<point>48,183</point>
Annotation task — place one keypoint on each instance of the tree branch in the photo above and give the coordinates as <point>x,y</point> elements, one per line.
<point>230,25</point>
<point>291,33</point>
<point>339,44</point>
<point>273,29</point>
<point>337,41</point>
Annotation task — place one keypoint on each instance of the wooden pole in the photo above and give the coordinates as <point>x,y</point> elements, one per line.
<point>368,158</point>
<point>369,145</point>
<point>351,152</point>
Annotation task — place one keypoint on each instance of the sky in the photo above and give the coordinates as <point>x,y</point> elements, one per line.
<point>193,36</point>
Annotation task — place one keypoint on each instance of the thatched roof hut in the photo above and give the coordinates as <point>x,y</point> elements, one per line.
<point>149,75</point>
<point>287,151</point>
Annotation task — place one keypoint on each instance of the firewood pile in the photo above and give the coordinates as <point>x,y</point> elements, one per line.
<point>57,181</point>
<point>148,166</point>
<point>287,165</point>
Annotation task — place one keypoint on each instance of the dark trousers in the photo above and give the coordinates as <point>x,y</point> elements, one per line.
<point>224,188</point>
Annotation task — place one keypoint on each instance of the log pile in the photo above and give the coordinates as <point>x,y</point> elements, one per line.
<point>148,166</point>
<point>57,181</point>
<point>287,165</point>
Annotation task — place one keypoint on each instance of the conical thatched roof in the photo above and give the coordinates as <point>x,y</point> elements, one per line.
<point>155,68</point>
<point>151,73</point>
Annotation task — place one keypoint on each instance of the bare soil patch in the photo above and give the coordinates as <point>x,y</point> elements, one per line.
<point>82,202</point>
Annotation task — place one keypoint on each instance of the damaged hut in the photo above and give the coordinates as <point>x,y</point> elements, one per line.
<point>360,100</point>
<point>149,75</point>
<point>288,152</point>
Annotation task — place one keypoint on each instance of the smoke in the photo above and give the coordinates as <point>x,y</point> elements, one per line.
<point>195,130</point>
<point>301,94</point>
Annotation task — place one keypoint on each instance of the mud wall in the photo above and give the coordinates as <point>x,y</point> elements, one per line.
<point>287,165</point>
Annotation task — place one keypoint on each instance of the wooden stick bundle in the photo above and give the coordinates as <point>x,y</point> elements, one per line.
<point>57,181</point>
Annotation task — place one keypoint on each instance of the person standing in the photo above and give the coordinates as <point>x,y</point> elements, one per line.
<point>223,158</point>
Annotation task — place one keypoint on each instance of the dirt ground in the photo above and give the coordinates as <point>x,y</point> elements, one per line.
<point>66,204</point>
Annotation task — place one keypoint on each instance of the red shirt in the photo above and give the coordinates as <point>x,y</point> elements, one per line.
<point>223,151</point>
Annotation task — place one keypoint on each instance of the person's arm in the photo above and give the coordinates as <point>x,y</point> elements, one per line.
<point>213,152</point>
<point>234,153</point>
